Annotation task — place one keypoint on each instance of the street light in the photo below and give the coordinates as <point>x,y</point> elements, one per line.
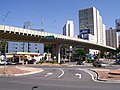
<point>3,19</point>
<point>5,16</point>
<point>52,24</point>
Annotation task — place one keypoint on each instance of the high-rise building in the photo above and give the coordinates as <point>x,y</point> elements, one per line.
<point>119,39</point>
<point>104,35</point>
<point>68,29</point>
<point>90,18</point>
<point>112,38</point>
<point>25,47</point>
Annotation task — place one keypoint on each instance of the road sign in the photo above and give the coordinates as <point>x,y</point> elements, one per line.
<point>50,37</point>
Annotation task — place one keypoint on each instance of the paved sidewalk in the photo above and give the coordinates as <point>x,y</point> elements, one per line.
<point>107,74</point>
<point>18,70</point>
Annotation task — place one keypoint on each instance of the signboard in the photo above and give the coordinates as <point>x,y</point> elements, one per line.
<point>117,22</point>
<point>84,34</point>
<point>50,37</point>
<point>84,31</point>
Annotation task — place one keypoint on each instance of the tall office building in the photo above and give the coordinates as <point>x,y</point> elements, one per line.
<point>112,38</point>
<point>119,40</point>
<point>90,18</point>
<point>68,29</point>
<point>104,35</point>
<point>25,47</point>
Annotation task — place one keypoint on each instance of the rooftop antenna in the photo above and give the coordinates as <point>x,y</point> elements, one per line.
<point>42,24</point>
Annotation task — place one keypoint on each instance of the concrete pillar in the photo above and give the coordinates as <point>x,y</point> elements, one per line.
<point>56,51</point>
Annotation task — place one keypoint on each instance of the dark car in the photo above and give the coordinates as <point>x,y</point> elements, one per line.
<point>117,61</point>
<point>80,62</point>
<point>97,63</point>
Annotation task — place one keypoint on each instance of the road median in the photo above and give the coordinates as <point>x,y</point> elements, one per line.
<point>18,70</point>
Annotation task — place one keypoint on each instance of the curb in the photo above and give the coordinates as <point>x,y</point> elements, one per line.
<point>102,80</point>
<point>98,76</point>
<point>27,73</point>
<point>21,73</point>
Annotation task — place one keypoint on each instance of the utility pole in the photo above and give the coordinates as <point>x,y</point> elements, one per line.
<point>3,19</point>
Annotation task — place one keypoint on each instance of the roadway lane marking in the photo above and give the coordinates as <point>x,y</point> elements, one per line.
<point>61,74</point>
<point>79,75</point>
<point>48,74</point>
<point>93,78</point>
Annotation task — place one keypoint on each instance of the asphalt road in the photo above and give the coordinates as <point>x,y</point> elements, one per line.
<point>55,79</point>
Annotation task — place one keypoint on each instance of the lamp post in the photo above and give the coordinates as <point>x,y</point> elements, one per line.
<point>3,19</point>
<point>52,24</point>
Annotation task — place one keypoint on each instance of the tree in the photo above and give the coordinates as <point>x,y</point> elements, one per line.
<point>117,51</point>
<point>79,53</point>
<point>47,48</point>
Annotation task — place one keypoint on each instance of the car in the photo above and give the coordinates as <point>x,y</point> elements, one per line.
<point>2,62</point>
<point>80,62</point>
<point>11,63</point>
<point>117,61</point>
<point>99,63</point>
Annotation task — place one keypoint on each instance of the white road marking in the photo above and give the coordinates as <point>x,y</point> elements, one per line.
<point>62,73</point>
<point>48,74</point>
<point>79,75</point>
<point>90,75</point>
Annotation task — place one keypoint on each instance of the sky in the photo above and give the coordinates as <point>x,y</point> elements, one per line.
<point>55,13</point>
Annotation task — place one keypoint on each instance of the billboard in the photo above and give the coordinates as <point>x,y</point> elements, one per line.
<point>117,22</point>
<point>84,34</point>
<point>84,31</point>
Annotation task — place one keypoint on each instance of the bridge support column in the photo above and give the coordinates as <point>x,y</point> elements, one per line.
<point>56,51</point>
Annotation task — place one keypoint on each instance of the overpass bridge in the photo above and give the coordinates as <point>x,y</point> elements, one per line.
<point>9,33</point>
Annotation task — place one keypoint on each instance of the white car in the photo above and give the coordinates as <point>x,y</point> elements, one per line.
<point>2,62</point>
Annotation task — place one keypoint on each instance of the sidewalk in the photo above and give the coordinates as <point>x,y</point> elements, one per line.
<point>107,74</point>
<point>18,70</point>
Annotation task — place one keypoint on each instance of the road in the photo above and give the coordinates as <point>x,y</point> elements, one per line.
<point>55,79</point>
